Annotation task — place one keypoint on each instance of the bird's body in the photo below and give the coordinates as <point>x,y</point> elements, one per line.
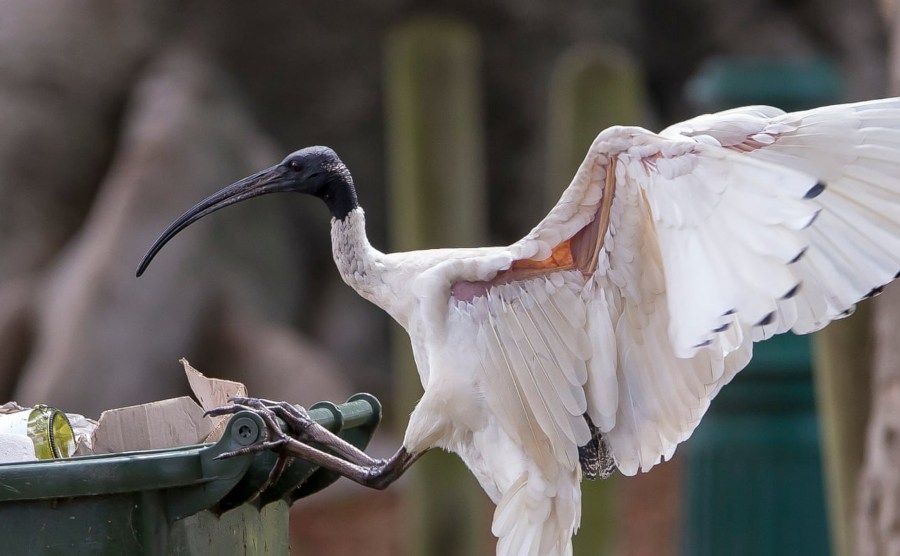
<point>619,317</point>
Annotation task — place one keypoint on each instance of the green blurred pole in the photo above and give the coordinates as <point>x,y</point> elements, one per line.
<point>436,199</point>
<point>592,88</point>
<point>842,354</point>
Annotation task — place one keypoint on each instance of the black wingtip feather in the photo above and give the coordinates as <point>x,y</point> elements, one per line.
<point>799,256</point>
<point>815,190</point>
<point>767,320</point>
<point>791,292</point>
<point>874,292</point>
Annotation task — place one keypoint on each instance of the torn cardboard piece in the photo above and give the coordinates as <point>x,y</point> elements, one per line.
<point>213,393</point>
<point>163,424</point>
<point>168,423</point>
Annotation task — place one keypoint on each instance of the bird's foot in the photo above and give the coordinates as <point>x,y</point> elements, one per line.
<point>595,456</point>
<point>300,426</point>
<point>306,438</point>
<point>295,417</point>
<point>275,437</point>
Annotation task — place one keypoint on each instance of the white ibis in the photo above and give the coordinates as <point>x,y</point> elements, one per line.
<point>600,338</point>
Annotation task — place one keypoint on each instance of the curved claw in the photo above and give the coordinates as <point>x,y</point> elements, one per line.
<point>273,431</point>
<point>280,465</point>
<point>255,402</point>
<point>254,448</point>
<point>223,410</point>
<point>296,417</point>
<point>298,412</point>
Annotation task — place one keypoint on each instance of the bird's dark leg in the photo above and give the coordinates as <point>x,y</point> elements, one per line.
<point>595,457</point>
<point>378,475</point>
<point>307,430</point>
<point>348,460</point>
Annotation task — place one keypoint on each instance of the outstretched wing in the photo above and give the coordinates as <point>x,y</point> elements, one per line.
<point>638,297</point>
<point>854,244</point>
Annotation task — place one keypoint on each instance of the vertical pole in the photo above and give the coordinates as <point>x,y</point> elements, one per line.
<point>436,199</point>
<point>842,356</point>
<point>873,529</point>
<point>592,88</point>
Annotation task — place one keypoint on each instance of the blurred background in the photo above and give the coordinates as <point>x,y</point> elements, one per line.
<point>461,121</point>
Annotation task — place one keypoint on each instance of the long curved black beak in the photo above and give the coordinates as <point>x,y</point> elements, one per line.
<point>266,181</point>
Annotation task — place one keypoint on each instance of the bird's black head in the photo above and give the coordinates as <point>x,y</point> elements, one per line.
<point>315,171</point>
<point>318,171</point>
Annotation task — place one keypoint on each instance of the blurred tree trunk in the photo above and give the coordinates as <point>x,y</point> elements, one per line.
<point>62,90</point>
<point>65,73</point>
<point>878,517</point>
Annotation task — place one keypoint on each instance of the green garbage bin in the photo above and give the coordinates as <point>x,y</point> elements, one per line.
<point>754,480</point>
<point>179,501</point>
<point>754,472</point>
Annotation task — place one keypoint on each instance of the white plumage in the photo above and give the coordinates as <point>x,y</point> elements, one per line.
<point>716,237</point>
<point>633,302</point>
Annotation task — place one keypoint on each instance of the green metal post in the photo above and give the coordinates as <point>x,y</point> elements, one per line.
<point>436,199</point>
<point>592,88</point>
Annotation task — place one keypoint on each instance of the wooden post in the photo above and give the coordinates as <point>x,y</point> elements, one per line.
<point>592,89</point>
<point>842,356</point>
<point>436,199</point>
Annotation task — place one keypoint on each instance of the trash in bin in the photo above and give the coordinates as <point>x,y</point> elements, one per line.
<point>153,483</point>
<point>47,428</point>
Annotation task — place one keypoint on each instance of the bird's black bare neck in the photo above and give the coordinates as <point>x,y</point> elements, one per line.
<point>339,193</point>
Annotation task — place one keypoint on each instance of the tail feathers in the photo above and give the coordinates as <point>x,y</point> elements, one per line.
<point>535,518</point>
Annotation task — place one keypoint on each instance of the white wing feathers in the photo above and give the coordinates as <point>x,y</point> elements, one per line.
<point>719,233</point>
<point>727,230</point>
<point>745,252</point>
<point>854,244</point>
<point>535,524</point>
<point>534,344</point>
